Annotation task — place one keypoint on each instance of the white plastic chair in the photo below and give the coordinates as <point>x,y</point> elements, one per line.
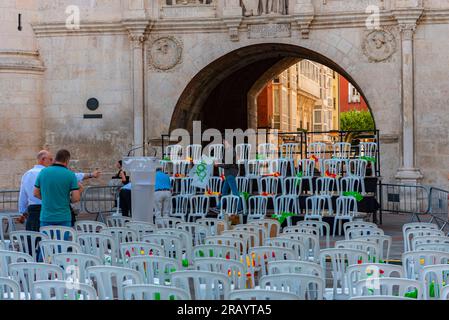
<point>315,208</point>
<point>259,230</point>
<point>59,233</point>
<point>354,233</point>
<point>228,205</point>
<point>75,265</point>
<point>307,287</point>
<point>259,294</point>
<point>358,224</point>
<point>341,150</point>
<point>326,187</point>
<point>117,221</point>
<point>154,292</point>
<point>311,242</point>
<point>235,270</point>
<point>167,222</point>
<point>291,186</point>
<point>7,257</point>
<point>142,228</point>
<point>210,223</point>
<point>154,269</point>
<point>368,149</point>
<point>271,227</point>
<point>63,290</point>
<point>215,184</point>
<point>357,169</point>
<point>323,227</point>
<point>172,244</point>
<point>357,272</point>
<point>280,166</point>
<point>174,152</point>
<point>371,248</point>
<point>108,278</point>
<point>185,236</point>
<point>193,152</point>
<point>198,232</point>
<point>316,149</point>
<point>243,151</point>
<point>288,150</point>
<point>52,247</point>
<point>340,259</point>
<point>187,187</point>
<point>409,234</point>
<point>287,203</point>
<point>180,168</point>
<point>382,241</point>
<point>89,226</point>
<point>382,298</point>
<point>242,184</point>
<point>132,249</point>
<point>26,273</point>
<point>295,266</point>
<point>206,285</point>
<point>250,239</point>
<point>436,276</point>
<point>100,245</point>
<point>413,262</point>
<point>267,150</point>
<point>257,208</point>
<point>260,256</point>
<point>389,287</point>
<point>121,235</point>
<point>296,245</point>
<point>230,241</point>
<point>199,207</point>
<point>9,289</point>
<point>268,185</point>
<point>216,152</point>
<point>27,242</point>
<point>350,184</point>
<point>307,171</point>
<point>425,241</point>
<point>346,210</point>
<point>216,251</point>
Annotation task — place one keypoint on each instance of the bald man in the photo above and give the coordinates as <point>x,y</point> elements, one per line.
<point>29,205</point>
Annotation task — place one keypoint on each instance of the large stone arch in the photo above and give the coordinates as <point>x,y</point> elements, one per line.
<point>270,58</point>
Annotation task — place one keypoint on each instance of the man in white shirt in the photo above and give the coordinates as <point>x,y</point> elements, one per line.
<point>29,205</point>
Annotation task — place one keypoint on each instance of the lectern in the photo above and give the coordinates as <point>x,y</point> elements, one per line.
<point>142,171</point>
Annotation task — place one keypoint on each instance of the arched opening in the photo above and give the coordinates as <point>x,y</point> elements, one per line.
<point>222,95</point>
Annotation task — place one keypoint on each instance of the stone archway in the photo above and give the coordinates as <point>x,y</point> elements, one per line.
<point>222,95</point>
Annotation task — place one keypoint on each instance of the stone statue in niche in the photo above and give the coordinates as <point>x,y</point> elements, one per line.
<point>264,7</point>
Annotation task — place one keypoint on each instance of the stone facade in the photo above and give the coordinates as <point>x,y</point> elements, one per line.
<point>153,66</point>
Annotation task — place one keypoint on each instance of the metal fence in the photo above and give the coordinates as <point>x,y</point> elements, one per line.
<point>99,200</point>
<point>417,200</point>
<point>9,200</point>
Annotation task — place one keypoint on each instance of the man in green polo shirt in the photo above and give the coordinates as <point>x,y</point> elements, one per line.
<point>57,186</point>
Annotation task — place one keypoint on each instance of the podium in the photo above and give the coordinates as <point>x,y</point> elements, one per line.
<point>142,171</point>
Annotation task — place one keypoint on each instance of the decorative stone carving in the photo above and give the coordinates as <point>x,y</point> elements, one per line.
<point>260,7</point>
<point>165,53</point>
<point>379,45</point>
<point>271,30</point>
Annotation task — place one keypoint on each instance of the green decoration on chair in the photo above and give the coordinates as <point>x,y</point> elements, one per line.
<point>356,195</point>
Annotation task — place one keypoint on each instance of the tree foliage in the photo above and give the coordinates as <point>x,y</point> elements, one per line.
<point>356,121</point>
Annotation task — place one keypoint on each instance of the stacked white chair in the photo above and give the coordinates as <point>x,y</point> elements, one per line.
<point>193,153</point>
<point>117,221</point>
<point>346,210</point>
<point>28,242</point>
<point>154,292</point>
<point>257,207</point>
<point>142,228</point>
<point>154,269</point>
<point>8,257</point>
<point>315,208</point>
<point>109,278</point>
<point>234,269</point>
<point>199,207</point>
<point>287,203</point>
<point>179,207</point>
<point>206,285</point>
<point>9,289</point>
<point>307,171</point>
<point>89,226</point>
<point>75,265</point>
<point>228,206</point>
<point>322,226</point>
<point>341,150</point>
<point>389,287</point>
<point>307,287</point>
<point>216,152</point>
<point>63,290</point>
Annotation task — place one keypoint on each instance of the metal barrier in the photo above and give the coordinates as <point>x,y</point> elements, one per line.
<point>100,200</point>
<point>407,199</point>
<point>439,207</point>
<point>9,200</point>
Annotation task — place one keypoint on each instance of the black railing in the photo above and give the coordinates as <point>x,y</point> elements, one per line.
<point>9,200</point>
<point>100,200</point>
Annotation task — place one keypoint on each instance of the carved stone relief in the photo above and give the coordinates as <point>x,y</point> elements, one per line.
<point>165,53</point>
<point>263,7</point>
<point>379,45</point>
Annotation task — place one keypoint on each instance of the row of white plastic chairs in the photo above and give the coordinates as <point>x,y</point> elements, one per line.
<point>283,167</point>
<point>268,150</point>
<point>256,207</point>
<point>343,254</point>
<point>258,251</point>
<point>288,185</point>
